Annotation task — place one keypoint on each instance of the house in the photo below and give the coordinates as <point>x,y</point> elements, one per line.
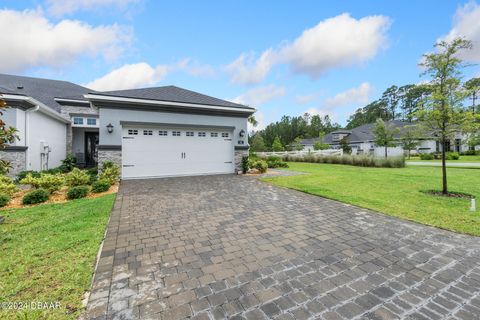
<point>361,140</point>
<point>149,132</point>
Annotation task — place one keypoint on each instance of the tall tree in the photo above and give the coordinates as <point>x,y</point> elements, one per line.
<point>410,138</point>
<point>473,87</point>
<point>384,135</point>
<point>391,97</point>
<point>257,144</point>
<point>7,135</point>
<point>443,114</point>
<point>345,146</point>
<point>252,120</point>
<point>277,145</point>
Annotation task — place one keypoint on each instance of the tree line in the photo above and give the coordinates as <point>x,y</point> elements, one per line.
<point>286,133</point>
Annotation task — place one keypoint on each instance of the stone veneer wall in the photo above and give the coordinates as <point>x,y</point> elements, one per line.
<point>17,159</point>
<point>110,155</point>
<point>239,154</point>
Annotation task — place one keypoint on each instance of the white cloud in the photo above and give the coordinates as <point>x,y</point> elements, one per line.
<point>258,96</point>
<point>31,40</point>
<point>335,42</point>
<point>466,24</point>
<point>357,95</point>
<point>62,7</point>
<point>246,70</point>
<point>194,68</point>
<point>129,76</point>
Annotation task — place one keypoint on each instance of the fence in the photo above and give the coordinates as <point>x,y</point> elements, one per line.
<point>327,152</point>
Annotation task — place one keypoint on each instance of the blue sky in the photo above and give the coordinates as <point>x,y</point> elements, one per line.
<point>282,57</point>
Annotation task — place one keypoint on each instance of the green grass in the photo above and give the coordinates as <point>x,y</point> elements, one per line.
<point>395,192</point>
<point>48,254</point>
<point>462,159</point>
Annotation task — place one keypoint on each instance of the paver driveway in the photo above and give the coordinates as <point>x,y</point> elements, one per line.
<point>233,247</point>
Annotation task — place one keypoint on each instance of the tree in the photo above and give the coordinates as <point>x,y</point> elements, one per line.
<point>443,114</point>
<point>473,87</point>
<point>319,144</point>
<point>277,145</point>
<point>298,145</point>
<point>7,135</point>
<point>391,98</point>
<point>384,135</point>
<point>252,121</point>
<point>257,145</point>
<point>410,138</point>
<point>344,145</point>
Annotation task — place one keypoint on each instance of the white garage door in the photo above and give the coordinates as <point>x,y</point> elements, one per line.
<point>165,152</point>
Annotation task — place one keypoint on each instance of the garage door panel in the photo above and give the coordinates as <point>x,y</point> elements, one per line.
<point>158,155</point>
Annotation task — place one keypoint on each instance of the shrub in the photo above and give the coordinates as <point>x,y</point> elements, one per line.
<point>31,180</point>
<point>36,196</point>
<point>5,166</point>
<point>100,186</point>
<point>110,173</point>
<point>23,174</point>
<point>426,156</point>
<point>346,159</point>
<point>260,165</point>
<point>245,164</point>
<point>68,164</point>
<point>93,174</point>
<point>4,200</point>
<point>77,192</point>
<point>452,156</point>
<point>50,182</point>
<point>468,153</point>
<point>276,162</point>
<point>77,177</point>
<point>7,186</point>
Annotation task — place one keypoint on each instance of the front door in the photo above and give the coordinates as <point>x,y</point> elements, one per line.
<point>91,143</point>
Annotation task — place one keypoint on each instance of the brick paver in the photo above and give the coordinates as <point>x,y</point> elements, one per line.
<point>216,247</point>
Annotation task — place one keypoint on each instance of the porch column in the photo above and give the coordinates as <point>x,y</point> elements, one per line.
<point>69,139</point>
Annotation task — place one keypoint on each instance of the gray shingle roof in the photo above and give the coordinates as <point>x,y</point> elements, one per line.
<point>360,133</point>
<point>44,90</point>
<point>173,94</point>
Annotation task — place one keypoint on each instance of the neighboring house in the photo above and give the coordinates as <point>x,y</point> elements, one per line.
<point>150,132</point>
<point>361,140</point>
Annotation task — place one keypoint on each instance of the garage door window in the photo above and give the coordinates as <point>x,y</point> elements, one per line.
<point>213,134</point>
<point>189,133</point>
<point>147,132</point>
<point>224,134</point>
<point>162,133</point>
<point>176,133</point>
<point>202,134</point>
<point>133,132</point>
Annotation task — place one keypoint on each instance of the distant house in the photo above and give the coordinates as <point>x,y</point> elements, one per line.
<point>361,140</point>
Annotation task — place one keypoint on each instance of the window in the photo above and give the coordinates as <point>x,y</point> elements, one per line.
<point>213,134</point>
<point>176,133</point>
<point>224,134</point>
<point>91,121</point>
<point>189,133</point>
<point>77,120</point>
<point>133,132</point>
<point>202,134</point>
<point>147,132</point>
<point>162,133</point>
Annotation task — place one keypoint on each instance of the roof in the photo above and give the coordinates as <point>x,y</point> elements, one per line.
<point>359,134</point>
<point>172,94</point>
<point>43,90</point>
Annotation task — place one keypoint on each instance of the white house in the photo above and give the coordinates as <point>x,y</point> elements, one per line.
<point>361,140</point>
<point>149,132</point>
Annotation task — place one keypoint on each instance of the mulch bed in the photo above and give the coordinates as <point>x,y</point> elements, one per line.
<point>450,194</point>
<point>59,196</point>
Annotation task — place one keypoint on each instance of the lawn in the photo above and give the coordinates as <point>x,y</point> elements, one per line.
<point>48,255</point>
<point>395,192</point>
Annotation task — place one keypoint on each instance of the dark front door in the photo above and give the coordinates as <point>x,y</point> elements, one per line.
<point>91,143</point>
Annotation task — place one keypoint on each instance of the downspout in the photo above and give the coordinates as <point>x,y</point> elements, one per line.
<point>27,152</point>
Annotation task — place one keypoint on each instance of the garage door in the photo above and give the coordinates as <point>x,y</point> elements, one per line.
<point>165,152</point>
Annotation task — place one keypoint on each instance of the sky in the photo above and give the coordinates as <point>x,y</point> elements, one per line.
<point>281,57</point>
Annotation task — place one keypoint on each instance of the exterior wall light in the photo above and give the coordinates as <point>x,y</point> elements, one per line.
<point>241,133</point>
<point>109,128</point>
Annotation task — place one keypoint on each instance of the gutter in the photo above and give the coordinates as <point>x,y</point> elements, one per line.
<point>97,97</point>
<point>39,106</point>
